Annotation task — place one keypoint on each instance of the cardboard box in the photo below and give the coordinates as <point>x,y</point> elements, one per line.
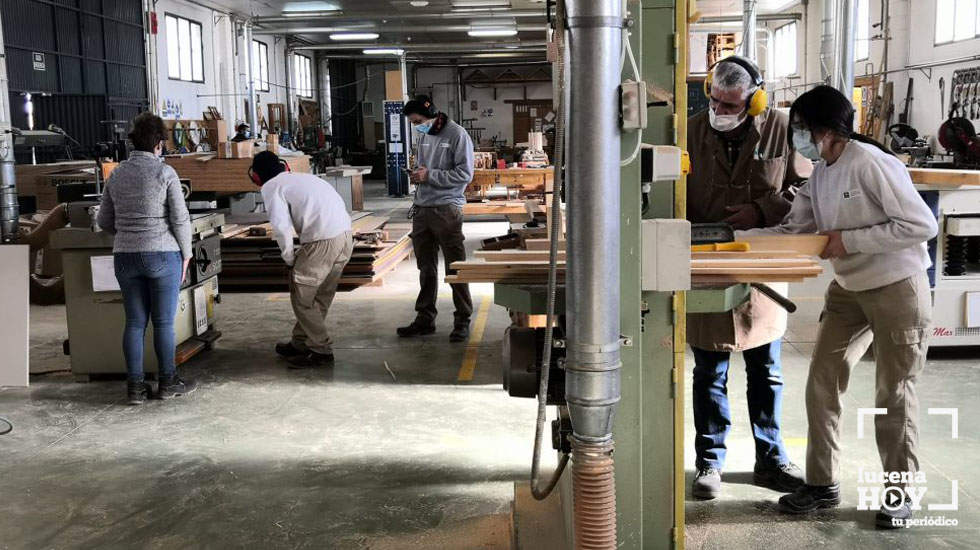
<point>241,149</point>
<point>224,150</point>
<point>393,86</point>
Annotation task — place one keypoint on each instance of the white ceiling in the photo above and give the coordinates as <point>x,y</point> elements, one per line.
<point>735,7</point>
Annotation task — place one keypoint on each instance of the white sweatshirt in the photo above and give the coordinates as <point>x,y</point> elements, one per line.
<point>304,205</point>
<point>868,196</point>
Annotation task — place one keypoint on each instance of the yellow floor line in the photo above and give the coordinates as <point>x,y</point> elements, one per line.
<point>473,347</point>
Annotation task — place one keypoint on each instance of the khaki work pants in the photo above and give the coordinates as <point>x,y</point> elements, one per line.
<point>312,285</point>
<point>896,317</point>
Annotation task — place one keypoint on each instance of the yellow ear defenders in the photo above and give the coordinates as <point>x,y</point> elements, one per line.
<point>758,100</point>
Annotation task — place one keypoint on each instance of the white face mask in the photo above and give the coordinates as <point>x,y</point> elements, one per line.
<point>803,143</point>
<point>725,123</point>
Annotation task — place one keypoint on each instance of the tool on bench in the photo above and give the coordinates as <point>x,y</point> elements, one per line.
<point>720,237</point>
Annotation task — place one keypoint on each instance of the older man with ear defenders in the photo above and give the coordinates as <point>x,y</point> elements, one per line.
<point>745,174</point>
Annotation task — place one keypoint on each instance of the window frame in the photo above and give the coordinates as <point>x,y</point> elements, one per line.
<point>867,56</point>
<point>200,29</point>
<point>796,51</point>
<point>267,80</point>
<point>954,40</point>
<point>303,62</point>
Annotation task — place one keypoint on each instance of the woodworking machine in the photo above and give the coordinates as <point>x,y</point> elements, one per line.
<point>94,304</point>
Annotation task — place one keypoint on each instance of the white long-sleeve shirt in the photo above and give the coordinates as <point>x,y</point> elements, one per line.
<point>304,205</point>
<point>868,196</point>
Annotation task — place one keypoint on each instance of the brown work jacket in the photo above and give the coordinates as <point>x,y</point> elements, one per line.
<point>766,173</point>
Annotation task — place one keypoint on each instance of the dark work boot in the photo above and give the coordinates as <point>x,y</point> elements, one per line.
<point>287,349</point>
<point>175,387</point>
<point>417,328</point>
<point>310,359</point>
<point>809,498</point>
<point>137,392</point>
<point>460,333</point>
<point>784,478</point>
<point>707,484</point>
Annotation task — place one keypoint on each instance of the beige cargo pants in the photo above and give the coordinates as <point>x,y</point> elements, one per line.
<point>896,317</point>
<point>312,285</point>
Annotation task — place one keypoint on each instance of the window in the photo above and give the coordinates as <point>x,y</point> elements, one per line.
<point>185,56</point>
<point>862,35</point>
<point>784,51</point>
<point>304,75</point>
<point>957,20</point>
<point>260,66</point>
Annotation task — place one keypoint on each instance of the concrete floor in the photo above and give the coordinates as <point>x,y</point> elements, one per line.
<point>357,457</point>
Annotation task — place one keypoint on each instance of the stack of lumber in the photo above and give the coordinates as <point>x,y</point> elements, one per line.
<point>251,259</point>
<point>783,258</point>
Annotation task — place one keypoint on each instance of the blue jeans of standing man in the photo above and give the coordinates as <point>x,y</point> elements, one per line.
<point>150,284</point>
<point>712,416</point>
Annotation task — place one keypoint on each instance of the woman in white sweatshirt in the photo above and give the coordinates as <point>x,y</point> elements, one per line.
<point>862,198</point>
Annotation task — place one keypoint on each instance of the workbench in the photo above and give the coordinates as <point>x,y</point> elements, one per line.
<point>521,181</point>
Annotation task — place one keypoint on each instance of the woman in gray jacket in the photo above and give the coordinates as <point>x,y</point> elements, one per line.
<point>143,207</point>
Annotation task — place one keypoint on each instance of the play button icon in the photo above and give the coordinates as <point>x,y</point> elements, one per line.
<point>893,498</point>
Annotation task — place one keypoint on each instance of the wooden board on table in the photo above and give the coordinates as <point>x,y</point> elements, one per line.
<point>228,176</point>
<point>948,177</point>
<point>541,244</point>
<point>494,256</point>
<point>763,271</point>
<point>739,263</point>
<point>711,280</point>
<point>808,245</point>
<point>499,208</point>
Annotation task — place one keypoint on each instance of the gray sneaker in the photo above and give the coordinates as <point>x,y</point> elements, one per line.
<point>893,519</point>
<point>707,484</point>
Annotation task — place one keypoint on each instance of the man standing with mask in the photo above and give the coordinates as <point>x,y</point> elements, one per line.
<point>745,174</point>
<point>444,167</point>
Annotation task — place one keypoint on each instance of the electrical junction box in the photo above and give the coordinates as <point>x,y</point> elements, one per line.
<point>661,163</point>
<point>633,104</point>
<point>666,255</point>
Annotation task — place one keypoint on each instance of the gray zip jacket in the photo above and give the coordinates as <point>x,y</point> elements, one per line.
<point>142,205</point>
<point>449,157</point>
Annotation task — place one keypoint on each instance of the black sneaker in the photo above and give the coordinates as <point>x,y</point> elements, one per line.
<point>460,333</point>
<point>137,392</point>
<point>287,349</point>
<point>310,360</point>
<point>784,478</point>
<point>707,484</point>
<point>894,519</point>
<point>809,498</point>
<point>175,387</point>
<point>415,329</point>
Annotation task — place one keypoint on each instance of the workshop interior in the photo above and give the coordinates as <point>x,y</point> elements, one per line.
<point>710,274</point>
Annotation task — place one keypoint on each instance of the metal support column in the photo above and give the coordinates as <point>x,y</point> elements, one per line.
<point>848,19</point>
<point>251,114</point>
<point>9,210</point>
<point>749,9</point>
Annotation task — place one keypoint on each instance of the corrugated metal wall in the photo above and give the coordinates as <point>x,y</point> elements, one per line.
<point>87,54</point>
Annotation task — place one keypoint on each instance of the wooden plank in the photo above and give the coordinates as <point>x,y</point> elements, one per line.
<point>228,176</point>
<point>945,177</point>
<point>515,255</point>
<point>809,244</point>
<point>774,255</point>
<point>752,263</point>
<point>541,244</point>
<point>788,271</point>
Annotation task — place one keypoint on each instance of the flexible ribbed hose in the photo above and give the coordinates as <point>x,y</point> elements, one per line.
<point>594,489</point>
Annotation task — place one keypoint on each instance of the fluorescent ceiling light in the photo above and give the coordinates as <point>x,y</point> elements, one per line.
<point>384,51</point>
<point>419,3</point>
<point>309,6</point>
<point>491,32</point>
<point>479,3</point>
<point>354,36</point>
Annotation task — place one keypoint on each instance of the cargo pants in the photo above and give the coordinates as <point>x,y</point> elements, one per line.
<point>312,286</point>
<point>434,228</point>
<point>896,317</point>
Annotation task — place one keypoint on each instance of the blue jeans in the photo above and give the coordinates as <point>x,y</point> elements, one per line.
<point>150,284</point>
<point>712,416</point>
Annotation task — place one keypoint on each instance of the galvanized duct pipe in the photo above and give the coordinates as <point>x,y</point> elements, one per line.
<point>252,113</point>
<point>829,62</point>
<point>592,386</point>
<point>8,185</point>
<point>367,27</point>
<point>848,21</point>
<point>503,14</point>
<point>749,8</point>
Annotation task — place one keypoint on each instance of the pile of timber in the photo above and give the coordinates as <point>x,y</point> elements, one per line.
<point>784,258</point>
<point>251,260</point>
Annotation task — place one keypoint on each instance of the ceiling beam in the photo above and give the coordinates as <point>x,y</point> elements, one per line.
<point>427,29</point>
<point>414,16</point>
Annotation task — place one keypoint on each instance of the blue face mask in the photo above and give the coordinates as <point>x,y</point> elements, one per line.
<point>424,128</point>
<point>803,143</point>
